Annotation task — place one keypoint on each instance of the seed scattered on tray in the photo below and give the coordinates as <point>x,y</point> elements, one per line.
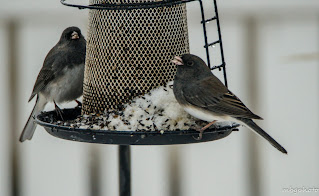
<point>156,111</point>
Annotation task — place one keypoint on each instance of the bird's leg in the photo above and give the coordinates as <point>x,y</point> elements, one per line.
<point>79,103</point>
<point>201,131</point>
<point>58,110</point>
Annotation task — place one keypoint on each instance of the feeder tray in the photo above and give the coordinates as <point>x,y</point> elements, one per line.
<point>49,119</point>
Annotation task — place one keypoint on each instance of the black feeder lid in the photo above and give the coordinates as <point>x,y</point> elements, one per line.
<point>47,119</point>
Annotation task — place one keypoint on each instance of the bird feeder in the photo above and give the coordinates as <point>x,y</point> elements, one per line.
<point>129,48</point>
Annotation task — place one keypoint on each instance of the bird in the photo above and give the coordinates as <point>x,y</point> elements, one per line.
<point>60,78</point>
<point>201,94</point>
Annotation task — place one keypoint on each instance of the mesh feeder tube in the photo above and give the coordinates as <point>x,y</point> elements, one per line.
<point>129,52</point>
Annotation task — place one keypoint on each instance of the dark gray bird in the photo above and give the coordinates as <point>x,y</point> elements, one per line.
<point>61,77</point>
<point>204,96</point>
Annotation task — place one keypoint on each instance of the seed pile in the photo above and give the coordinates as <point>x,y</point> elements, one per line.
<point>155,111</point>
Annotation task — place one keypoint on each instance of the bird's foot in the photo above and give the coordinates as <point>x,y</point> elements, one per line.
<point>200,135</point>
<point>58,111</point>
<point>79,104</point>
<point>201,131</point>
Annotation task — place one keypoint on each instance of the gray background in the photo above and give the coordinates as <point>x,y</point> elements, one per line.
<point>272,56</point>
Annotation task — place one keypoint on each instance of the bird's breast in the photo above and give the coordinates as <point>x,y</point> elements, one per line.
<point>67,87</point>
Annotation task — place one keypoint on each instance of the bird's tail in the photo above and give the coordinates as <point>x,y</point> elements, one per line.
<point>253,126</point>
<point>30,126</point>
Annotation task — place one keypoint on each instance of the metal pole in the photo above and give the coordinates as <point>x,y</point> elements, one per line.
<point>125,170</point>
<point>95,171</point>
<point>174,172</point>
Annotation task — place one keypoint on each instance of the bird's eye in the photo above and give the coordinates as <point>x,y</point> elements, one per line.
<point>190,63</point>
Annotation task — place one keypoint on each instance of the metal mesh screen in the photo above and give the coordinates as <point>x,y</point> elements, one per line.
<point>129,53</point>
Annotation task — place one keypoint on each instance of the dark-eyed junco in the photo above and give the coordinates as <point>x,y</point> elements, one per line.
<point>61,77</point>
<point>204,96</point>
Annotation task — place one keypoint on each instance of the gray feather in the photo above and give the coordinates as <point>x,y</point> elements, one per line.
<point>253,126</point>
<point>30,126</point>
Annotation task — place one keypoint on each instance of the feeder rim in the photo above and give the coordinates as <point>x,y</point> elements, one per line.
<point>164,137</point>
<point>128,6</point>
<point>164,132</point>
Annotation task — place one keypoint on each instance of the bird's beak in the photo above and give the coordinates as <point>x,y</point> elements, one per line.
<point>177,60</point>
<point>75,35</point>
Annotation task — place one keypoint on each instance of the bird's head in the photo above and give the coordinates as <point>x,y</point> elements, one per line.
<point>71,34</point>
<point>191,66</point>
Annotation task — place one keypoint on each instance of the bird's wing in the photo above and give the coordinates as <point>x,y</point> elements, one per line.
<point>53,64</point>
<point>212,95</point>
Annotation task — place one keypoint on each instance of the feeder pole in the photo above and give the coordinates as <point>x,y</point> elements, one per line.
<point>125,170</point>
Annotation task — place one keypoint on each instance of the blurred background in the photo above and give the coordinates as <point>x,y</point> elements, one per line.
<point>272,55</point>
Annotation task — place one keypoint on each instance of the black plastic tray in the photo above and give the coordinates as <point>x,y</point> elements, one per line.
<point>45,119</point>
